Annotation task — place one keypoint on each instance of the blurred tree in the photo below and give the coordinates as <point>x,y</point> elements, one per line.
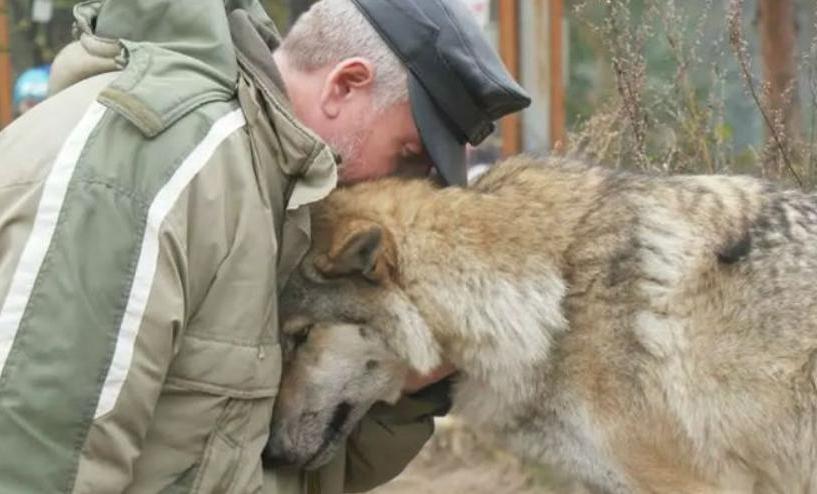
<point>777,24</point>
<point>35,43</point>
<point>298,7</point>
<point>278,10</point>
<point>5,68</point>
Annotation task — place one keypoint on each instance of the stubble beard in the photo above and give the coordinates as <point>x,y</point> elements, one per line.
<point>348,146</point>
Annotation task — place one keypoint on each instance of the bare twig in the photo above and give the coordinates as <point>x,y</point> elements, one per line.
<point>630,73</point>
<point>739,47</point>
<point>674,119</point>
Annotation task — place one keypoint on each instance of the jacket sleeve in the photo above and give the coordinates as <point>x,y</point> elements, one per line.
<point>390,436</point>
<point>96,285</point>
<point>133,381</point>
<point>166,287</point>
<point>84,372</point>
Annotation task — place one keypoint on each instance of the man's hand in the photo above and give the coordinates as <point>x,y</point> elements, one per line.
<point>415,382</point>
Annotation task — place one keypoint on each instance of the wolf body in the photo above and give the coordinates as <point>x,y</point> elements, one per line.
<point>646,334</point>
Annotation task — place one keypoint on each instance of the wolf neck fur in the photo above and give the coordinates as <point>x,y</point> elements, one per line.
<point>494,315</point>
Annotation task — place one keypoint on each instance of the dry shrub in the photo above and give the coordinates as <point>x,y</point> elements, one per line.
<point>679,123</point>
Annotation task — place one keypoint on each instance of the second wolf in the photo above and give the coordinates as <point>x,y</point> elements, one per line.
<point>648,334</point>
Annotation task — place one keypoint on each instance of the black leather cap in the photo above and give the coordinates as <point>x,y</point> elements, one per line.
<point>457,84</point>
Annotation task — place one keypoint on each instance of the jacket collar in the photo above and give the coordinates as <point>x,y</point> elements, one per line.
<point>303,155</point>
<point>172,62</point>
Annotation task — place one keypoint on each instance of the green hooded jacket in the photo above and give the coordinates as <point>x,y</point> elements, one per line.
<point>150,210</point>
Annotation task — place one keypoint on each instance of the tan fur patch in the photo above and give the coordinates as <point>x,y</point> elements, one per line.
<point>647,334</point>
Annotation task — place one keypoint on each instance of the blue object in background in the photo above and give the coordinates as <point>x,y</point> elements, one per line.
<point>31,87</point>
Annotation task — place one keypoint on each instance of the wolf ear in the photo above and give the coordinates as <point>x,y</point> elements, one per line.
<point>355,251</point>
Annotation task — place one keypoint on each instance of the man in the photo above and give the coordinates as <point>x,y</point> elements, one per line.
<point>151,209</point>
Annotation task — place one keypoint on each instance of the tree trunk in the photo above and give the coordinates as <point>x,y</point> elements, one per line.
<point>296,8</point>
<point>778,41</point>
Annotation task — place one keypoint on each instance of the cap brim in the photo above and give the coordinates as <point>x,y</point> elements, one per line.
<point>446,150</point>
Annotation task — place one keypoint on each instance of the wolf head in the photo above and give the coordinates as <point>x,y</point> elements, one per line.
<point>401,272</point>
<point>349,336</point>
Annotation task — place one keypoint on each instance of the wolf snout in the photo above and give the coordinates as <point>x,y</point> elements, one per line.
<point>276,454</point>
<point>273,459</point>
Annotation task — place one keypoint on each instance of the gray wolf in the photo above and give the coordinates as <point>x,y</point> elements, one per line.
<point>146,223</point>
<point>646,334</point>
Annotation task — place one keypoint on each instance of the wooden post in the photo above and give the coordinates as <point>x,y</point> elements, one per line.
<point>6,112</point>
<point>778,46</point>
<point>509,51</point>
<point>558,133</point>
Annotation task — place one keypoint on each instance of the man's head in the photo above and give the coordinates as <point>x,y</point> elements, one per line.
<point>396,85</point>
<point>347,86</point>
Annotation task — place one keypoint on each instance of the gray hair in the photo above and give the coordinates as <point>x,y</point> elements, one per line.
<point>334,30</point>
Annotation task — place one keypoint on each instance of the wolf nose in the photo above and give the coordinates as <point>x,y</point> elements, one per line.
<point>275,455</point>
<point>273,459</point>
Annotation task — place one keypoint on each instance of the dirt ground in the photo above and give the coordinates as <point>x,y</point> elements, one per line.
<point>458,461</point>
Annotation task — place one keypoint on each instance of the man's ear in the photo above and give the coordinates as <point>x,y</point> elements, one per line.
<point>355,250</point>
<point>344,80</point>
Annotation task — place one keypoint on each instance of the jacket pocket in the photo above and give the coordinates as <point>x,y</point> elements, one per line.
<point>219,465</point>
<point>237,385</point>
<point>226,368</point>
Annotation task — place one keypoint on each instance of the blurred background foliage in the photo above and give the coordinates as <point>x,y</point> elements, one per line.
<point>669,85</point>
